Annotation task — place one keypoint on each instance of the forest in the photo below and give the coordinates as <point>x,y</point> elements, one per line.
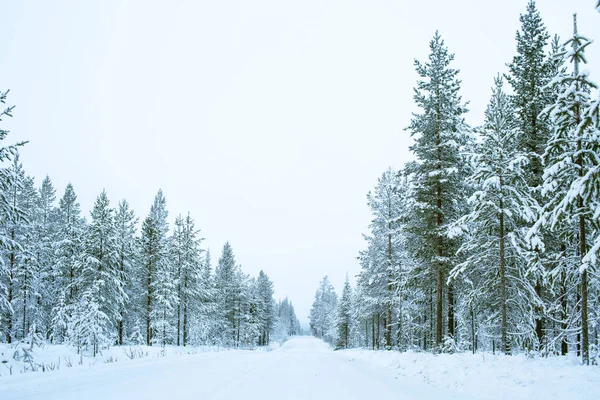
<point>489,239</point>
<point>93,282</point>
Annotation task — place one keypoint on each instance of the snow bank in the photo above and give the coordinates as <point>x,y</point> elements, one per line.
<point>16,359</point>
<point>487,376</point>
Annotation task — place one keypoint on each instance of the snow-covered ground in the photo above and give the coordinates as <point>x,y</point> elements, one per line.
<point>490,377</point>
<point>20,359</point>
<point>307,368</point>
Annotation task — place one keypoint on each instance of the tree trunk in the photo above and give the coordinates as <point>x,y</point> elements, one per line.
<point>585,345</point>
<point>9,296</point>
<point>388,327</point>
<point>472,328</point>
<point>451,304</point>
<point>373,332</point>
<point>24,306</point>
<point>185,314</point>
<point>378,336</point>
<point>149,307</point>
<point>564,347</point>
<point>122,312</point>
<point>539,324</point>
<point>505,347</point>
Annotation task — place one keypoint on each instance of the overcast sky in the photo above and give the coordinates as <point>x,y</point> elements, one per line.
<point>268,120</point>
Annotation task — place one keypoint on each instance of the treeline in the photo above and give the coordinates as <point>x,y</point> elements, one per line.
<point>489,240</point>
<point>95,282</point>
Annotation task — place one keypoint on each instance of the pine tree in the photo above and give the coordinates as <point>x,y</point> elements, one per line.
<point>500,197</point>
<point>157,277</point>
<point>344,316</point>
<point>322,313</point>
<point>571,177</point>
<point>68,250</point>
<point>189,271</point>
<point>227,285</point>
<point>125,227</point>
<point>13,254</point>
<point>265,307</point>
<point>100,281</point>
<point>27,273</point>
<point>385,207</point>
<point>440,133</point>
<point>46,231</point>
<point>530,73</point>
<point>7,211</point>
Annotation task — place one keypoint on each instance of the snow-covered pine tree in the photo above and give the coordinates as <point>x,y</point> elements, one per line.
<point>529,75</point>
<point>286,323</point>
<point>266,307</point>
<point>101,280</point>
<point>178,251</point>
<point>572,173</point>
<point>438,174</point>
<point>7,214</point>
<point>27,268</point>
<point>204,325</point>
<point>189,270</point>
<point>385,206</point>
<point>157,276</point>
<point>46,231</point>
<point>13,226</point>
<point>323,312</point>
<point>344,320</point>
<point>68,253</point>
<point>491,265</point>
<point>125,227</point>
<point>249,327</point>
<point>227,286</point>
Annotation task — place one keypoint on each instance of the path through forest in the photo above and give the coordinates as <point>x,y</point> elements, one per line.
<point>303,368</point>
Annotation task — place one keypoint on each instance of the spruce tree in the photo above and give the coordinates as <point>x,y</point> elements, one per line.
<point>68,252</point>
<point>125,227</point>
<point>530,73</point>
<point>189,270</point>
<point>571,178</point>
<point>227,282</point>
<point>500,197</point>
<point>344,316</point>
<point>157,277</point>
<point>440,133</point>
<point>102,297</point>
<point>265,305</point>
<point>323,312</point>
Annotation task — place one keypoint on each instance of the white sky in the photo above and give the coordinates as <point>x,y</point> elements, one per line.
<point>268,120</point>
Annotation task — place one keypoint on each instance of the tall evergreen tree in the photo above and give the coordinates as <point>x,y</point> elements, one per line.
<point>191,286</point>
<point>440,132</point>
<point>68,252</point>
<point>344,315</point>
<point>97,312</point>
<point>12,228</point>
<point>159,288</point>
<point>125,227</point>
<point>529,75</point>
<point>572,178</point>
<point>491,260</point>
<point>227,285</point>
<point>323,312</point>
<point>265,307</point>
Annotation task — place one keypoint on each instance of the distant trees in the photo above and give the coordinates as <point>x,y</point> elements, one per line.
<point>96,283</point>
<point>323,312</point>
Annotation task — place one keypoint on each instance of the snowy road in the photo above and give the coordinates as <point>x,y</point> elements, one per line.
<point>303,368</point>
